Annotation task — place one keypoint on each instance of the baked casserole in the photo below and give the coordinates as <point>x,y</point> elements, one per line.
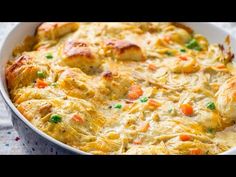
<point>127,88</point>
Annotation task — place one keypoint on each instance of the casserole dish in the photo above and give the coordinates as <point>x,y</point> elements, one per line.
<point>25,129</point>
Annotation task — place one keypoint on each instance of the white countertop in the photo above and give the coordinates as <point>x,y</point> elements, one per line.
<point>10,143</point>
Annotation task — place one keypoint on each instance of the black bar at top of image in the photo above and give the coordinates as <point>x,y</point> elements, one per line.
<point>118,10</point>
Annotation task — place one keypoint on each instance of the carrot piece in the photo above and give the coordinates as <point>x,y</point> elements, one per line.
<point>184,58</point>
<point>145,127</point>
<point>220,66</point>
<point>196,151</point>
<point>77,118</point>
<point>153,103</point>
<point>185,137</point>
<point>40,83</point>
<point>137,142</point>
<point>152,67</point>
<point>133,95</point>
<point>135,92</point>
<point>186,109</point>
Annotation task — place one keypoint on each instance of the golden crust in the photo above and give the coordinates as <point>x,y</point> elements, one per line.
<point>78,49</point>
<point>54,30</point>
<point>78,54</point>
<point>124,50</point>
<point>21,72</point>
<point>115,84</point>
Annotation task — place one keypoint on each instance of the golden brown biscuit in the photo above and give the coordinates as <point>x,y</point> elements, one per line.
<point>22,72</point>
<point>78,54</point>
<point>54,30</point>
<point>124,50</point>
<point>115,84</point>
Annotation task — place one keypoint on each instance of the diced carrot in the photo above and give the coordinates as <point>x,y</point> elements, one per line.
<point>133,95</point>
<point>40,83</point>
<point>137,142</point>
<point>184,58</point>
<point>145,127</point>
<point>152,67</point>
<point>195,151</point>
<point>77,118</point>
<point>220,66</point>
<point>135,92</point>
<point>186,109</point>
<point>185,137</point>
<point>153,103</point>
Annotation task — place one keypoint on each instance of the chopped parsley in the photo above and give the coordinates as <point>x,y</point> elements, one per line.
<point>193,44</point>
<point>182,50</point>
<point>144,99</point>
<point>211,106</point>
<point>55,118</point>
<point>41,74</point>
<point>118,106</point>
<point>49,56</point>
<point>211,130</point>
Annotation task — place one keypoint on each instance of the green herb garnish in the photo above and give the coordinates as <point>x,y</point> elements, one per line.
<point>143,99</point>
<point>211,106</point>
<point>211,130</point>
<point>118,106</point>
<point>193,44</point>
<point>55,118</point>
<point>182,50</point>
<point>41,74</point>
<point>49,56</point>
